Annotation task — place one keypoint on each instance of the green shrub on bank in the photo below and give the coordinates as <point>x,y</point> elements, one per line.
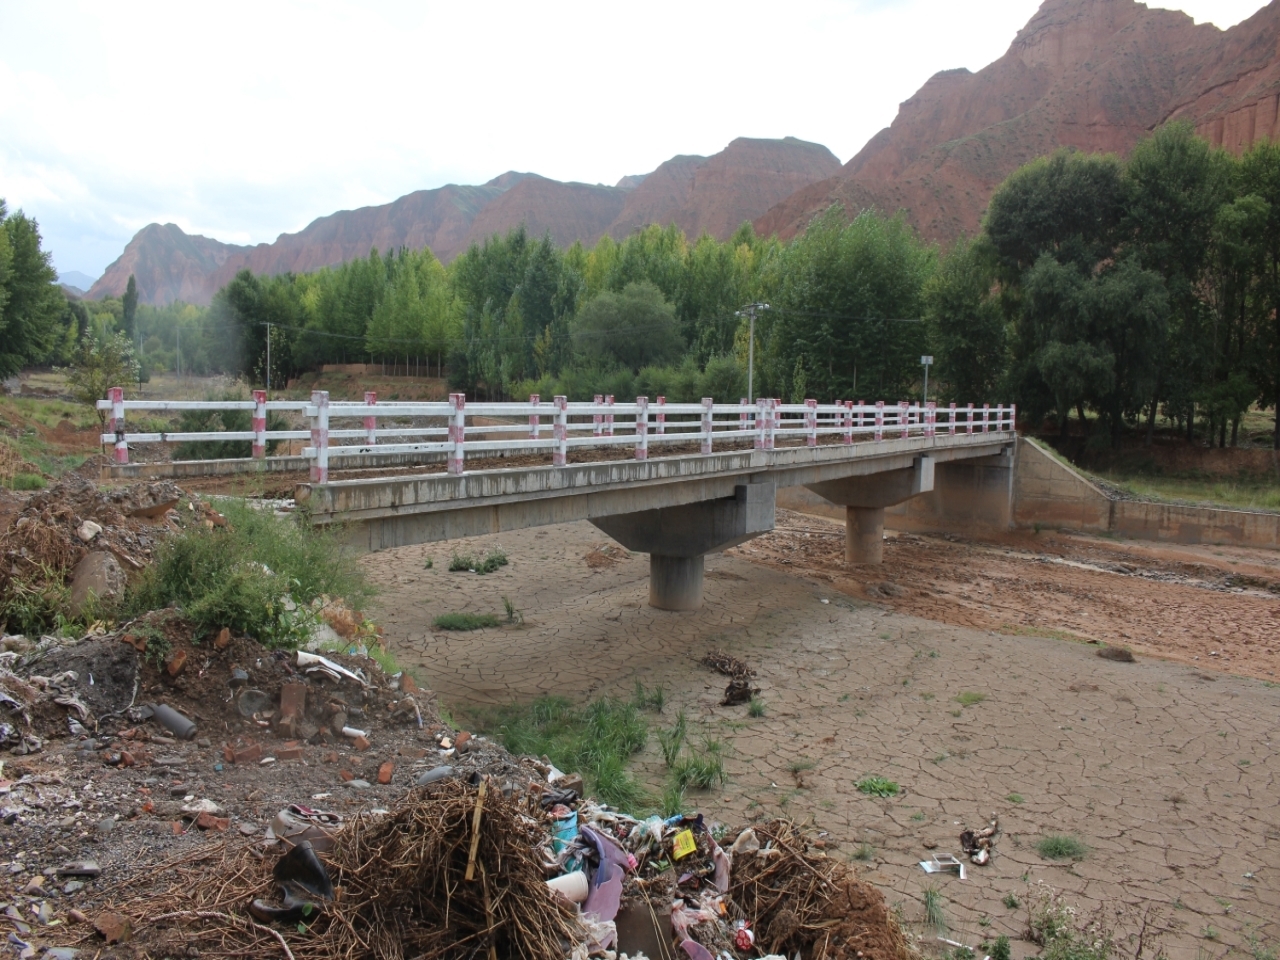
<point>219,421</point>
<point>255,575</point>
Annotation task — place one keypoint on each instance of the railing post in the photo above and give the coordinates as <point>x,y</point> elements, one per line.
<point>642,428</point>
<point>931,419</point>
<point>999,418</point>
<point>1013,418</point>
<point>953,419</point>
<point>969,419</point>
<point>761,423</point>
<point>370,420</point>
<point>535,421</point>
<point>743,417</point>
<point>457,433</point>
<point>707,424</point>
<point>811,422</point>
<point>561,431</point>
<point>259,424</point>
<point>848,421</point>
<point>116,396</point>
<point>662,416</point>
<point>320,437</point>
<point>597,419</point>
<point>770,422</point>
<point>879,420</point>
<point>904,417</point>
<point>986,417</point>
<point>608,417</point>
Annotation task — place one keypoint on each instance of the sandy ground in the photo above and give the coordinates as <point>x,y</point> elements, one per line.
<point>1165,768</point>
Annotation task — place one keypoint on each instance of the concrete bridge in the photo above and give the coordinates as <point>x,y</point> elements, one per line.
<point>677,508</point>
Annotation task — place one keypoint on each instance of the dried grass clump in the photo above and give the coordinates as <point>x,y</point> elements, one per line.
<point>401,892</point>
<point>811,903</point>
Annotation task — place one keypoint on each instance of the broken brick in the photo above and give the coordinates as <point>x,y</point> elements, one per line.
<point>127,759</point>
<point>207,821</point>
<point>346,776</point>
<point>289,753</point>
<point>249,753</point>
<point>330,757</point>
<point>385,771</point>
<point>360,743</point>
<point>293,700</point>
<point>229,754</point>
<point>407,684</point>
<point>114,927</point>
<point>223,640</point>
<point>177,660</point>
<point>460,741</point>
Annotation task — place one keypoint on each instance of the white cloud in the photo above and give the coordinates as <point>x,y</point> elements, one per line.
<point>251,119</point>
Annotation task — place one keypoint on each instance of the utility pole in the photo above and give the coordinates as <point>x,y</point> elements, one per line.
<point>926,362</point>
<point>750,311</point>
<point>268,361</point>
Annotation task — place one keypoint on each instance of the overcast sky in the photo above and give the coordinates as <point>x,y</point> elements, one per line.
<point>241,121</point>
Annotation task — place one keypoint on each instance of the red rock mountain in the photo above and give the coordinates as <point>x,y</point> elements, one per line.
<point>1090,74</point>
<point>715,194</point>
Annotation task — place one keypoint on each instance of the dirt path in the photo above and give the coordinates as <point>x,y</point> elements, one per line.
<point>1166,770</point>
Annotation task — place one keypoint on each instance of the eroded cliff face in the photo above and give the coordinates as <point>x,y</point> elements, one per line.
<point>713,194</point>
<point>1097,75</point>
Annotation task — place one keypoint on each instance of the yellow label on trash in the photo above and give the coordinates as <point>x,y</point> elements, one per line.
<point>683,845</point>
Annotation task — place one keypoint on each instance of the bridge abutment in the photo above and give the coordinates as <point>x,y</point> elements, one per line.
<point>678,538</point>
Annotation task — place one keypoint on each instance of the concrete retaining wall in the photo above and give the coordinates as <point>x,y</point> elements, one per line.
<point>1050,492</point>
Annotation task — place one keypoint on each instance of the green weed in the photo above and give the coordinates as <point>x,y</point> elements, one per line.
<point>654,699</point>
<point>934,914</point>
<point>969,698</point>
<point>466,621</point>
<point>1011,901</point>
<point>1057,846</point>
<point>27,481</point>
<point>878,787</point>
<point>465,562</point>
<point>513,615</point>
<point>701,769</point>
<point>755,708</point>
<point>864,852</point>
<point>671,740</point>
<point>1014,798</point>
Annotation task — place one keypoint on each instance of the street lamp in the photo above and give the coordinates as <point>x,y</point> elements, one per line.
<point>926,362</point>
<point>750,311</point>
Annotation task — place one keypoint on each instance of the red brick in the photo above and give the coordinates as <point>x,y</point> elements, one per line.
<point>460,741</point>
<point>407,684</point>
<point>385,771</point>
<point>223,640</point>
<point>331,757</point>
<point>361,743</point>
<point>293,700</point>
<point>228,754</point>
<point>207,821</point>
<point>289,753</point>
<point>178,829</point>
<point>114,927</point>
<point>249,753</point>
<point>127,759</point>
<point>346,775</point>
<point>177,660</point>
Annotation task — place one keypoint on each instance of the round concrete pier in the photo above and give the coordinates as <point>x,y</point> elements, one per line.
<point>675,583</point>
<point>863,535</point>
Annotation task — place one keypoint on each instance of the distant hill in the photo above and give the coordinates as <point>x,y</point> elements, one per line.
<point>75,281</point>
<point>1097,75</point>
<point>715,194</point>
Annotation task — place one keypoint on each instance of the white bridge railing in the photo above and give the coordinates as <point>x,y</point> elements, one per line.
<point>557,426</point>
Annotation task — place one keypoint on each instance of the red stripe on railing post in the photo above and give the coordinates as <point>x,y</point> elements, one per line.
<point>642,428</point>
<point>116,396</point>
<point>1000,418</point>
<point>608,417</point>
<point>879,420</point>
<point>259,424</point>
<point>370,420</point>
<point>320,437</point>
<point>662,415</point>
<point>904,417</point>
<point>561,432</point>
<point>707,424</point>
<point>597,419</point>
<point>457,456</point>
<point>535,421</point>
<point>811,422</point>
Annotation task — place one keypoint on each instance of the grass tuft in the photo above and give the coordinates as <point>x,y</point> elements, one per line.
<point>755,708</point>
<point>934,915</point>
<point>970,697</point>
<point>27,481</point>
<point>1058,846</point>
<point>466,621</point>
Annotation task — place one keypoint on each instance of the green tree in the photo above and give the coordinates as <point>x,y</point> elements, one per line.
<point>631,329</point>
<point>966,327</point>
<point>129,303</point>
<point>32,303</point>
<point>1259,176</point>
<point>101,362</point>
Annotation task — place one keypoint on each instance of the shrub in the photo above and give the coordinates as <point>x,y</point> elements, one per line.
<point>27,481</point>
<point>969,698</point>
<point>256,575</point>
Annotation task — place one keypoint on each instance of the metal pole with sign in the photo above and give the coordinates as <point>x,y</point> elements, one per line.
<point>926,362</point>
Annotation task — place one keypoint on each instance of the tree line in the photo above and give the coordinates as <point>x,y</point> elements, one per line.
<point>1110,293</point>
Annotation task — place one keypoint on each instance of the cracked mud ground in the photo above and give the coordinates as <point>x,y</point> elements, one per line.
<point>1165,768</point>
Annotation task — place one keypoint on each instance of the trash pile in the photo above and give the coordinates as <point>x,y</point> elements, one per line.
<point>740,677</point>
<point>470,867</point>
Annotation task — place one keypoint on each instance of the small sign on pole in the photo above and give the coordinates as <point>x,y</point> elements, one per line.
<point>926,362</point>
